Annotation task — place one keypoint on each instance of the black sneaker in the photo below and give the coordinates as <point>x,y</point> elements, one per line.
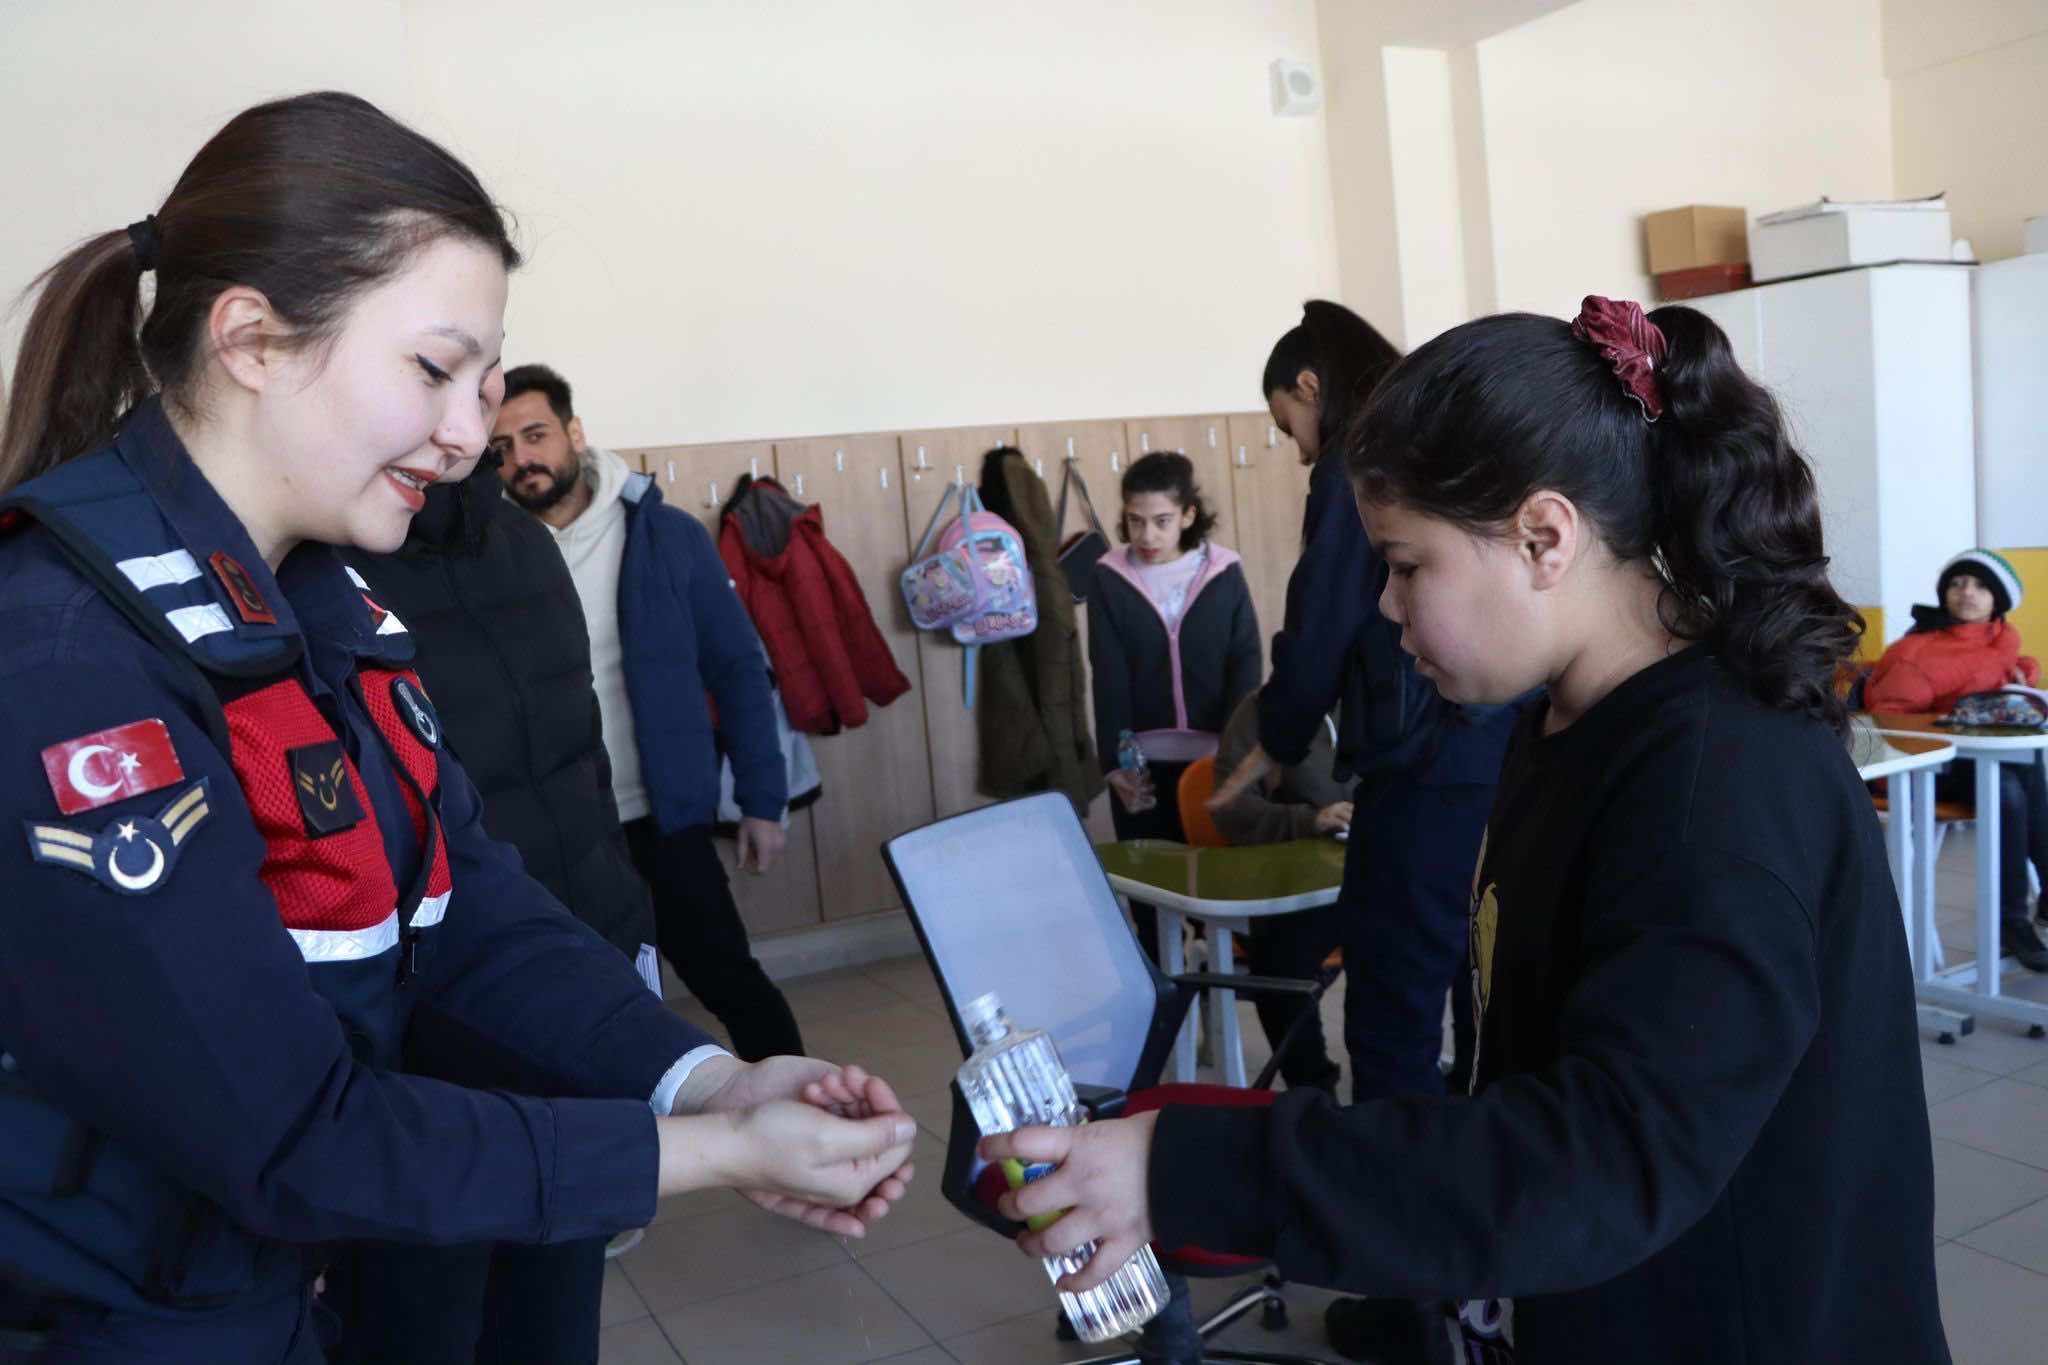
<point>2017,937</point>
<point>1388,1332</point>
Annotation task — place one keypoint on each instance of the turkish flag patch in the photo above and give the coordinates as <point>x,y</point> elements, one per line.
<point>111,765</point>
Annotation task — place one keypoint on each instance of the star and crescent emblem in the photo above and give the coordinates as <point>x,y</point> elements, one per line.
<point>132,856</point>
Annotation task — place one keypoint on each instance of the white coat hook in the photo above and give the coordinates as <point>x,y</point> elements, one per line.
<point>839,460</point>
<point>711,496</point>
<point>1212,438</point>
<point>1039,465</point>
<point>1115,462</point>
<point>920,459</point>
<point>959,476</point>
<point>1272,436</point>
<point>1144,442</point>
<point>799,485</point>
<point>885,476</point>
<point>754,466</point>
<point>1070,448</point>
<point>671,471</point>
<point>1243,458</point>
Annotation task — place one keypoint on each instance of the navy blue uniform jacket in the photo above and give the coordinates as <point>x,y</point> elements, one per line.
<point>250,1063</point>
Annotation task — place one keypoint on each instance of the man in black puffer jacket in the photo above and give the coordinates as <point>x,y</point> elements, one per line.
<point>505,657</point>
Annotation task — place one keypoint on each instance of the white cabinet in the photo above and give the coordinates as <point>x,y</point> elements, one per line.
<point>2012,402</point>
<point>1873,368</point>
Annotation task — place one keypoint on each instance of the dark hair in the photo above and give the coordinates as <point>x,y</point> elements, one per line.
<point>2001,600</point>
<point>311,200</point>
<point>1346,354</point>
<point>540,379</point>
<point>1713,493</point>
<point>1171,473</point>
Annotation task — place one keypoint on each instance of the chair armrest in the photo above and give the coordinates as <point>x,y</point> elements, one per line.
<point>1247,985</point>
<point>1101,1101</point>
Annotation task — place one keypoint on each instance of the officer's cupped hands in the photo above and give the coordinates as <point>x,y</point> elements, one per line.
<point>831,1173</point>
<point>847,1093</point>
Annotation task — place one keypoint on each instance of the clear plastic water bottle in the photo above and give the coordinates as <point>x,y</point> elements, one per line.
<point>1014,1080</point>
<point>1131,758</point>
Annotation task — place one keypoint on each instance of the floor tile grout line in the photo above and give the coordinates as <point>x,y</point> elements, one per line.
<point>914,1242</point>
<point>746,1288</point>
<point>1984,1078</point>
<point>1954,1057</point>
<point>673,1344</point>
<point>901,1306</point>
<point>2009,1213</point>
<point>930,1338</point>
<point>1985,1151</point>
<point>1994,1256</point>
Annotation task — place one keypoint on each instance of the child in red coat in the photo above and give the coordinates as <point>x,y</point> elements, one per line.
<point>1966,645</point>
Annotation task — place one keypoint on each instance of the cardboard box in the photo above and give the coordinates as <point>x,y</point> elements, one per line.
<point>1684,239</point>
<point>1816,238</point>
<point>1673,286</point>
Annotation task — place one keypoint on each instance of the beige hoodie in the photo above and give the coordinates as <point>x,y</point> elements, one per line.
<point>594,546</point>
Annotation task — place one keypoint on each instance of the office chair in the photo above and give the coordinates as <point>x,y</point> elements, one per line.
<point>1010,898</point>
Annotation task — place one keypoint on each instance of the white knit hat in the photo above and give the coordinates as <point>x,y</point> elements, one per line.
<point>1996,571</point>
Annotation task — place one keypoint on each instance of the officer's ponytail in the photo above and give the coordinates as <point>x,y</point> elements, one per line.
<point>309,200</point>
<point>81,364</point>
<point>1680,460</point>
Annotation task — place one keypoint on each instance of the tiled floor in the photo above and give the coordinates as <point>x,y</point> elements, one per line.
<point>718,1281</point>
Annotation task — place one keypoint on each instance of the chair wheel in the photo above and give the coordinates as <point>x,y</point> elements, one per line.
<point>2036,1031</point>
<point>1273,1315</point>
<point>1945,1038</point>
<point>1064,1330</point>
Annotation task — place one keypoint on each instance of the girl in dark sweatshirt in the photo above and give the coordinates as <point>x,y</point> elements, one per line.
<point>1696,1132</point>
<point>1173,646</point>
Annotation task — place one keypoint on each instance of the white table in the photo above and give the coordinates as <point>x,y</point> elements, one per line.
<point>1226,888</point>
<point>1912,761</point>
<point>1966,988</point>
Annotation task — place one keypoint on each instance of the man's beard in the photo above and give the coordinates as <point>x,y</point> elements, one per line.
<point>558,486</point>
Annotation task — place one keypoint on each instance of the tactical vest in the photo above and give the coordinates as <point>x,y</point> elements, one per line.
<point>84,1220</point>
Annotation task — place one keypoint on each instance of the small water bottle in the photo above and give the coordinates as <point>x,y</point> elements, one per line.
<point>1015,1080</point>
<point>1131,758</point>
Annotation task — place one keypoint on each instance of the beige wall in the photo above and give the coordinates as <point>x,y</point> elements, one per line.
<point>1356,114</point>
<point>1969,88</point>
<point>747,217</point>
<point>1609,109</point>
<point>1428,212</point>
<point>105,103</point>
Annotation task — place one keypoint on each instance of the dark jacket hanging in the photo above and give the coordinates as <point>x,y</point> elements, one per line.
<point>1032,711</point>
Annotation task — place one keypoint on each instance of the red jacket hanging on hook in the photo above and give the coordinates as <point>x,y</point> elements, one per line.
<point>829,657</point>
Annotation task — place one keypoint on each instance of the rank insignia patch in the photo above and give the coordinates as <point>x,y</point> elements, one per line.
<point>134,854</point>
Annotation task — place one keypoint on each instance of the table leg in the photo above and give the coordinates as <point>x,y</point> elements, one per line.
<point>1173,961</point>
<point>1909,844</point>
<point>1898,849</point>
<point>1927,963</point>
<point>1229,1041</point>
<point>1989,966</point>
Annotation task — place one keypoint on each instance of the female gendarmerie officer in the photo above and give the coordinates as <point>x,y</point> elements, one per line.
<point>237,861</point>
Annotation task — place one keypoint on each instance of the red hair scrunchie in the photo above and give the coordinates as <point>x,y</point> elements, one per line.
<point>1630,342</point>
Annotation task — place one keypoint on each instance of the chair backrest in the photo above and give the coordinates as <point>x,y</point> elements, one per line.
<point>1011,898</point>
<point>1197,785</point>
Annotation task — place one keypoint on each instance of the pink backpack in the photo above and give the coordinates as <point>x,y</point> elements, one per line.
<point>977,584</point>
